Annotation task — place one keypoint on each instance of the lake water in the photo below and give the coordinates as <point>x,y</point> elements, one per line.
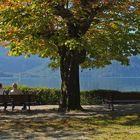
<point>112,83</point>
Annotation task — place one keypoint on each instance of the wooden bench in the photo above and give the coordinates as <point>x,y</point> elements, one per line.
<point>120,98</point>
<point>17,100</point>
<point>3,100</point>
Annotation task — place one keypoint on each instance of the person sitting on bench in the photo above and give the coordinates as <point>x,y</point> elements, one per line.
<point>16,91</point>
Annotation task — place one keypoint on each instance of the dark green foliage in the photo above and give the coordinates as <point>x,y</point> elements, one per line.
<point>52,96</point>
<point>44,95</point>
<point>48,96</point>
<point>89,97</point>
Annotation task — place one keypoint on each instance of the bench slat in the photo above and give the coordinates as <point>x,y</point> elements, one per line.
<point>13,100</point>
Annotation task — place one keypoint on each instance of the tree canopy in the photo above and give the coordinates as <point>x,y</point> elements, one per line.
<point>105,29</point>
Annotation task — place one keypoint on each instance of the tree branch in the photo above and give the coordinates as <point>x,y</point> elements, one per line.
<point>85,24</point>
<point>63,12</point>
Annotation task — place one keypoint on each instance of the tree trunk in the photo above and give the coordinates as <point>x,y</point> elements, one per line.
<point>70,87</point>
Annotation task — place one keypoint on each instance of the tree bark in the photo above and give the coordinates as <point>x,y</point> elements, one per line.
<point>70,87</point>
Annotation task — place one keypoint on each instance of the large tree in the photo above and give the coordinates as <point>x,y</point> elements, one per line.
<point>90,33</point>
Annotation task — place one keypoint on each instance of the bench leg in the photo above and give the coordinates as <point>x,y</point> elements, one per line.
<point>24,106</point>
<point>13,106</point>
<point>112,107</point>
<point>109,106</point>
<point>29,107</point>
<point>5,106</point>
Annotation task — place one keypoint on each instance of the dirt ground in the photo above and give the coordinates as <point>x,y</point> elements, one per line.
<point>39,123</point>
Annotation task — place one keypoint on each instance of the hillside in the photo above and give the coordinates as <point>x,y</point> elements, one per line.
<point>114,70</point>
<point>35,66</point>
<point>118,70</point>
<point>18,64</point>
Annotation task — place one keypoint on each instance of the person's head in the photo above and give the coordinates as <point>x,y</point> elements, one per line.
<point>14,85</point>
<point>0,85</point>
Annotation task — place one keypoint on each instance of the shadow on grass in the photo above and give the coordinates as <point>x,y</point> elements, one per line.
<point>49,123</point>
<point>40,127</point>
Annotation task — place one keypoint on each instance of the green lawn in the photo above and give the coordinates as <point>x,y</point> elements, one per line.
<point>75,125</point>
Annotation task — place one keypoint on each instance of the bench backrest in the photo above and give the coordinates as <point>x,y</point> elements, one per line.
<point>2,98</point>
<point>122,96</point>
<point>17,98</point>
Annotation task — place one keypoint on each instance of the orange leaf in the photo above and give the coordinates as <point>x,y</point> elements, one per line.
<point>105,1</point>
<point>77,1</point>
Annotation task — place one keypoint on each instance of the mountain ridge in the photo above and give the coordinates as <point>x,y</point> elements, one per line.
<point>35,66</point>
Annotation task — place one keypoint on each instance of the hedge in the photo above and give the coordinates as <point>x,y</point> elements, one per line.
<point>52,96</point>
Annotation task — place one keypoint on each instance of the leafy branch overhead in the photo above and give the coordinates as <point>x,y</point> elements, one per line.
<point>100,30</point>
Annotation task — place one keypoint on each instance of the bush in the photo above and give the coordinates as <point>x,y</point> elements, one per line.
<point>52,96</point>
<point>44,95</point>
<point>89,98</point>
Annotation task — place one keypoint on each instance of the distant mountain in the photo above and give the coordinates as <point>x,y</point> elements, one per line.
<point>5,74</point>
<point>18,64</point>
<point>42,71</point>
<point>114,70</point>
<point>35,66</point>
<point>118,70</point>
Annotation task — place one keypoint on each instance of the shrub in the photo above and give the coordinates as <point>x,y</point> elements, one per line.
<point>52,96</point>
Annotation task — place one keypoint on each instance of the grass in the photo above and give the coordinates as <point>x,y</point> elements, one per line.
<point>52,125</point>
